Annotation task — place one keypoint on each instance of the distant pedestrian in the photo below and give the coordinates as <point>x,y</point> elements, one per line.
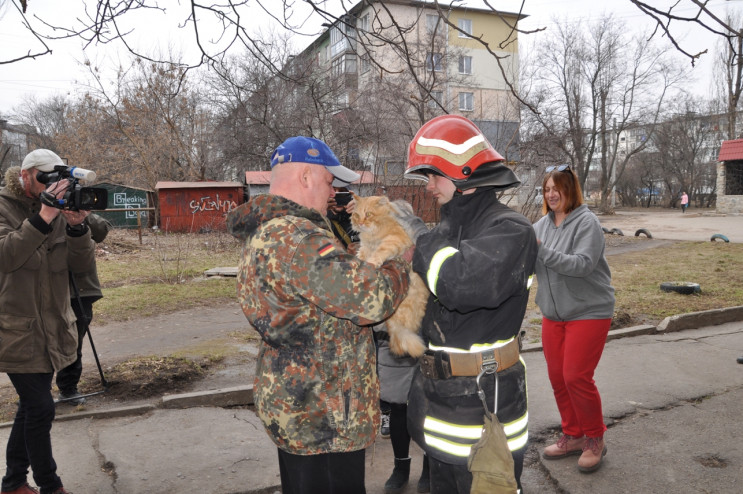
<point>684,202</point>
<point>316,388</point>
<point>577,300</point>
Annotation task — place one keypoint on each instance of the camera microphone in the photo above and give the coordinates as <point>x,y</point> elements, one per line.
<point>82,174</point>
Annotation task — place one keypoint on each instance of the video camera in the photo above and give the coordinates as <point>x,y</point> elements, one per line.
<point>76,197</point>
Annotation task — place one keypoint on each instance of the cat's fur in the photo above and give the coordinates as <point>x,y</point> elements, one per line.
<point>382,237</point>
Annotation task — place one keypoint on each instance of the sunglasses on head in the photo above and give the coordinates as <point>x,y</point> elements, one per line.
<point>559,168</point>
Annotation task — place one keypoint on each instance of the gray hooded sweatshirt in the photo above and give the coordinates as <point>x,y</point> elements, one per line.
<point>574,281</point>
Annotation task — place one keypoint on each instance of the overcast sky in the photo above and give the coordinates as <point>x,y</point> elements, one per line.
<point>62,73</point>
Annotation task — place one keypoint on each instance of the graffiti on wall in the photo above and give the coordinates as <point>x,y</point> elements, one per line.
<point>121,200</point>
<point>206,203</point>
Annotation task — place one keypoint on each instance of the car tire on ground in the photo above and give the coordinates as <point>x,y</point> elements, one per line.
<point>682,287</point>
<point>643,231</point>
<point>606,230</point>
<point>720,236</point>
<point>617,231</point>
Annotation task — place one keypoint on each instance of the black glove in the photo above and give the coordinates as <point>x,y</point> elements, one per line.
<point>413,225</point>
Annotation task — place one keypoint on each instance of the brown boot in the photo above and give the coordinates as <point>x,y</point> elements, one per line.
<point>593,453</point>
<point>565,446</point>
<point>24,489</point>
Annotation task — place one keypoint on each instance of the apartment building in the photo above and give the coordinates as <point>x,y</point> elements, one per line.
<point>396,64</point>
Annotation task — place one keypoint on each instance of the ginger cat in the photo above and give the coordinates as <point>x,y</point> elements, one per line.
<point>382,237</point>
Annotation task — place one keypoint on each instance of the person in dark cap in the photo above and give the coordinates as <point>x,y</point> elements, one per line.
<point>39,245</point>
<point>316,390</point>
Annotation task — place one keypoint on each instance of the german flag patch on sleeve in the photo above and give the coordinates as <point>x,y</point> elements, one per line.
<point>325,250</point>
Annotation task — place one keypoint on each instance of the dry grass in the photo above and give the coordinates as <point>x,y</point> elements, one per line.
<point>717,267</point>
<point>163,274</point>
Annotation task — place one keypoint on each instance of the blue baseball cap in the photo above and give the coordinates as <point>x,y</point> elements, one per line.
<point>302,149</point>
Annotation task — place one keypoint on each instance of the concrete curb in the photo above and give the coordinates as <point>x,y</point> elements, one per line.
<point>243,395</point>
<point>227,397</point>
<point>694,320</point>
<point>614,334</point>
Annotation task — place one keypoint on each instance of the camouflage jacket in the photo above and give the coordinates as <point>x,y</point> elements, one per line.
<point>316,388</point>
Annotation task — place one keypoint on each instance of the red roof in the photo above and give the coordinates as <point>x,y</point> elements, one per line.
<point>264,178</point>
<point>258,178</point>
<point>195,185</point>
<point>731,150</point>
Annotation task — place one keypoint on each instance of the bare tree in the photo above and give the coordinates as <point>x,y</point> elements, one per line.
<point>674,16</point>
<point>682,142</point>
<point>729,75</point>
<point>46,116</point>
<point>593,86</point>
<point>141,130</point>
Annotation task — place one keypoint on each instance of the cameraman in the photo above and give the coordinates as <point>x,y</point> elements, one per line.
<point>39,244</point>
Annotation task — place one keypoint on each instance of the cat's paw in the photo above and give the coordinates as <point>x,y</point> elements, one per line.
<point>406,343</point>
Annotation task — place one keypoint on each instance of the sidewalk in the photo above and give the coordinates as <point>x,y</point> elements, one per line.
<point>672,402</point>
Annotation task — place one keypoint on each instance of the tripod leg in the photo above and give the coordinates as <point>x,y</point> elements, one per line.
<point>104,383</point>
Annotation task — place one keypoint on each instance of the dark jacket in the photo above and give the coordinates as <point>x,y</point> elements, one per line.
<point>480,292</point>
<point>37,324</point>
<point>316,389</point>
<point>477,263</point>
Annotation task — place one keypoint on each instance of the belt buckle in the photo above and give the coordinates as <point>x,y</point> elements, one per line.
<point>489,366</point>
<point>489,362</point>
<point>427,366</point>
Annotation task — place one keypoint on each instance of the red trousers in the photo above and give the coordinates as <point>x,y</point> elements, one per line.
<point>572,350</point>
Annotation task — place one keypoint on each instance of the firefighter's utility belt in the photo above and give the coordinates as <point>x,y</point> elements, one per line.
<point>443,365</point>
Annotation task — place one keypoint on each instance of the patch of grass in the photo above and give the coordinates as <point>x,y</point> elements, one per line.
<point>163,274</point>
<point>717,267</point>
<point>146,299</point>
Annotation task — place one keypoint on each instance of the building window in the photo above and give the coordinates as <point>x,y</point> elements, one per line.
<point>345,64</point>
<point>363,24</point>
<point>435,24</point>
<point>465,28</point>
<point>340,35</point>
<point>435,99</point>
<point>466,101</point>
<point>433,62</point>
<point>465,64</point>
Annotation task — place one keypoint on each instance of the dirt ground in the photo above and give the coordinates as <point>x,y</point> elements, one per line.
<point>671,224</point>
<point>213,348</point>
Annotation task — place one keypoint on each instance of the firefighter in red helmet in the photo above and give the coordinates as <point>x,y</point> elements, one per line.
<point>478,264</point>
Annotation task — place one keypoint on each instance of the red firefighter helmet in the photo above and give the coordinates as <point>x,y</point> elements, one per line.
<point>453,146</point>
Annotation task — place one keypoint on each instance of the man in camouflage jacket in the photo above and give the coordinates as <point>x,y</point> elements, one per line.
<point>316,388</point>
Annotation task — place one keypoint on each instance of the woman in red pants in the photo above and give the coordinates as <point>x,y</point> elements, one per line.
<point>577,303</point>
